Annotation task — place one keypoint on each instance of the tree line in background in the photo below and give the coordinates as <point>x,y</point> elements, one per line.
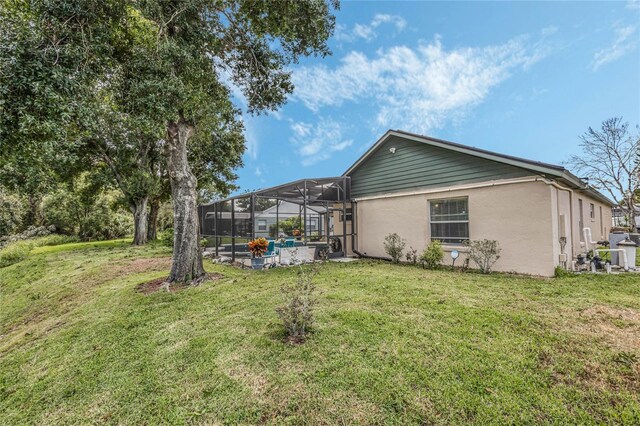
<point>113,106</point>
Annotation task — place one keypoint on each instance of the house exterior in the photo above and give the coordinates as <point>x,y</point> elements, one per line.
<point>425,189</point>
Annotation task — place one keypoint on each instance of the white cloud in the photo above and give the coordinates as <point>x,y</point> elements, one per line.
<point>368,31</point>
<point>317,142</point>
<point>633,4</point>
<point>251,137</point>
<point>623,43</point>
<point>415,89</point>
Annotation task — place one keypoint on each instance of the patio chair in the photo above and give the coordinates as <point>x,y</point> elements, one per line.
<point>290,243</point>
<point>271,253</point>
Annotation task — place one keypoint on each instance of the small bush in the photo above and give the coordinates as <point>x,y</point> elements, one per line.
<point>15,252</point>
<point>432,255</point>
<point>57,239</point>
<point>484,253</point>
<point>166,237</point>
<point>560,272</point>
<point>412,256</point>
<point>13,210</point>
<point>29,234</point>
<point>19,247</point>
<point>394,246</point>
<point>91,216</point>
<point>298,304</point>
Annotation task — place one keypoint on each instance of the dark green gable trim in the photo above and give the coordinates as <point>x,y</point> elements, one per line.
<point>418,165</point>
<point>425,162</point>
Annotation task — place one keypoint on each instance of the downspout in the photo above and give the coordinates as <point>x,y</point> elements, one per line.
<point>354,225</point>
<point>570,191</point>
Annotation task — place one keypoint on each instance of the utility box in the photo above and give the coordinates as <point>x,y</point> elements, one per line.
<point>614,239</point>
<point>630,248</point>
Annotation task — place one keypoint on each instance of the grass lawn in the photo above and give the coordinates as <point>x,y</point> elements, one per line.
<point>392,345</point>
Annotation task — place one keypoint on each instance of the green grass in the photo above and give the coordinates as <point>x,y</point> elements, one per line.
<point>392,345</point>
<point>17,251</point>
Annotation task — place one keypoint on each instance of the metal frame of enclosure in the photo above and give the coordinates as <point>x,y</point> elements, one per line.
<point>309,211</point>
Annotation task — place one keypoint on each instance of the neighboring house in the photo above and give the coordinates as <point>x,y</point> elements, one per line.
<point>266,219</point>
<point>426,189</point>
<point>621,217</point>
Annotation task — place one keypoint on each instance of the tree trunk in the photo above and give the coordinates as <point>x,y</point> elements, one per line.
<point>33,218</point>
<point>139,209</point>
<point>152,228</point>
<point>631,207</point>
<point>187,257</point>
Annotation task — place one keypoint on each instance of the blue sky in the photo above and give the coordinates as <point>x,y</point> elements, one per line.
<point>523,79</point>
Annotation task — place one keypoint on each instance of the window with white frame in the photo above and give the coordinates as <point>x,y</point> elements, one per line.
<point>449,220</point>
<point>592,212</point>
<point>262,224</point>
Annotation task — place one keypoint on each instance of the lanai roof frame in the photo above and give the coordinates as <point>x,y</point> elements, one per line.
<point>327,192</point>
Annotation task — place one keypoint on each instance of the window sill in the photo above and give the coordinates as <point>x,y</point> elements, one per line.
<point>460,247</point>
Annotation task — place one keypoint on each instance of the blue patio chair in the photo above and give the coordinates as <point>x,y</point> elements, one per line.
<point>271,253</point>
<point>290,243</point>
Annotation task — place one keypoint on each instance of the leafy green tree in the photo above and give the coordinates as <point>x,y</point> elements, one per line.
<point>162,64</point>
<point>287,226</point>
<point>85,209</point>
<point>201,45</point>
<point>54,55</point>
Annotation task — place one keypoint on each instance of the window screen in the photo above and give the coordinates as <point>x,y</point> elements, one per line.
<point>449,220</point>
<point>262,224</point>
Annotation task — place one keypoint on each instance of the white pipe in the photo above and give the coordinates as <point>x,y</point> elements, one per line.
<point>571,194</point>
<point>588,238</point>
<point>625,264</point>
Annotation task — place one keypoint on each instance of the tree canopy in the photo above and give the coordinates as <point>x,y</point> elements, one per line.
<point>133,88</point>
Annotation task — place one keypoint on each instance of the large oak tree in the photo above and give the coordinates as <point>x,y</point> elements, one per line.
<point>200,46</point>
<point>172,61</point>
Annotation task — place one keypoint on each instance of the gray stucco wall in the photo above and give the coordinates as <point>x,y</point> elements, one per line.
<point>418,165</point>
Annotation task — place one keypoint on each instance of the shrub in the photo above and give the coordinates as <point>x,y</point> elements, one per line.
<point>412,256</point>
<point>91,217</point>
<point>30,233</point>
<point>298,304</point>
<point>56,240</point>
<point>560,272</point>
<point>15,252</point>
<point>20,245</point>
<point>394,246</point>
<point>484,253</point>
<point>166,237</point>
<point>13,210</point>
<point>432,255</point>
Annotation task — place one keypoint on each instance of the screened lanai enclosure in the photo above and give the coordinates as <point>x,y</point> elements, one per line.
<point>311,213</point>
